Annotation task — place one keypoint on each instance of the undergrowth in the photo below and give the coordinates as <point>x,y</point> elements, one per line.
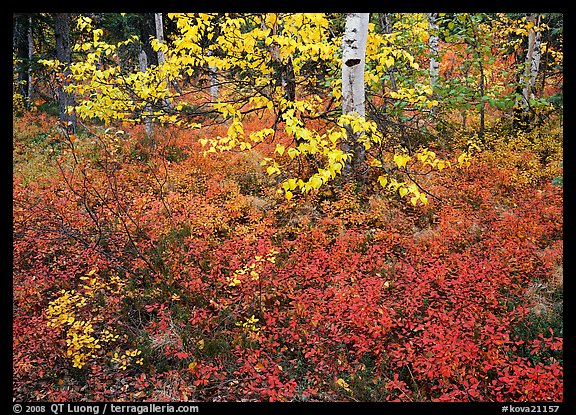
<point>146,272</point>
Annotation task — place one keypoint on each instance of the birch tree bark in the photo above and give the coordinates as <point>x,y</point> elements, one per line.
<point>213,80</point>
<point>523,114</point>
<point>159,36</point>
<point>532,60</point>
<point>161,58</point>
<point>353,93</point>
<point>433,45</point>
<point>143,64</point>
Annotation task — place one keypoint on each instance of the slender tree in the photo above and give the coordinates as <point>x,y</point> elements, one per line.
<point>159,35</point>
<point>532,60</point>
<point>353,89</point>
<point>30,58</point>
<point>161,58</point>
<point>286,69</point>
<point>212,71</point>
<point>433,44</point>
<point>62,24</point>
<point>21,46</point>
<point>148,31</point>
<point>524,114</point>
<point>143,64</point>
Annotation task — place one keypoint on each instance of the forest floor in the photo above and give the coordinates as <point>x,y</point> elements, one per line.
<point>147,272</point>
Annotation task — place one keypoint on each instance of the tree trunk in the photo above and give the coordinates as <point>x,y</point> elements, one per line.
<point>213,80</point>
<point>353,93</point>
<point>161,58</point>
<point>386,24</point>
<point>159,35</point>
<point>523,116</point>
<point>30,57</point>
<point>532,60</point>
<point>286,69</point>
<point>481,77</point>
<point>433,44</point>
<point>143,63</point>
<point>148,30</point>
<point>62,24</point>
<point>21,45</point>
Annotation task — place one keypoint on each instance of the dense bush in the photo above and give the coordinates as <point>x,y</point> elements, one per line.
<point>180,277</point>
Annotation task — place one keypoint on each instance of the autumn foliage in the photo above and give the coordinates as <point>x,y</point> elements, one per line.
<point>152,273</point>
<point>205,221</point>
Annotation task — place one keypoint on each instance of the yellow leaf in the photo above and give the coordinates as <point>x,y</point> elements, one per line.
<point>423,198</point>
<point>383,181</point>
<point>192,365</point>
<point>401,160</point>
<point>316,182</point>
<point>292,152</point>
<point>235,281</point>
<point>271,170</point>
<point>403,191</point>
<point>279,149</point>
<point>91,272</point>
<point>375,163</point>
<point>289,195</point>
<point>414,200</point>
<point>343,384</point>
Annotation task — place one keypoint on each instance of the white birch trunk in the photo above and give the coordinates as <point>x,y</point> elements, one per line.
<point>159,36</point>
<point>535,63</point>
<point>353,61</point>
<point>161,57</point>
<point>532,61</point>
<point>143,63</point>
<point>353,93</point>
<point>433,45</point>
<point>213,80</point>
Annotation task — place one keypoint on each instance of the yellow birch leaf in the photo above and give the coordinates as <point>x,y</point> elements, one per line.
<point>271,170</point>
<point>423,198</point>
<point>292,184</point>
<point>383,181</point>
<point>343,384</point>
<point>401,160</point>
